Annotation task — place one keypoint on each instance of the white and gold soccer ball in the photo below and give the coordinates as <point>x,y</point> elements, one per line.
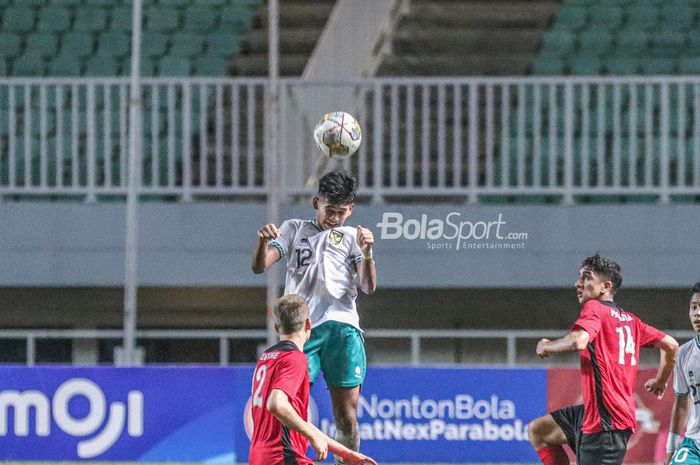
<point>338,134</point>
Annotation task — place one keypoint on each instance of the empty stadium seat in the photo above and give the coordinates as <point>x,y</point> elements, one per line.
<point>9,44</point>
<point>17,19</point>
<point>54,19</point>
<point>28,65</point>
<point>175,66</point>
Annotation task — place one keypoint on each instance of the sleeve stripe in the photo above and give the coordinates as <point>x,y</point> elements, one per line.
<point>682,394</point>
<point>278,247</point>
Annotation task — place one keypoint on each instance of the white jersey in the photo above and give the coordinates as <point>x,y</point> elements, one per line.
<point>686,382</point>
<point>321,267</point>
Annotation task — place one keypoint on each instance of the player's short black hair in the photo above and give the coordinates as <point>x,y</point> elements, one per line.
<point>337,187</point>
<point>605,267</point>
<point>696,287</point>
<point>290,313</point>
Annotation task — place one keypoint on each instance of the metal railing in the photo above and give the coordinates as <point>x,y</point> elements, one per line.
<point>463,138</point>
<point>416,337</point>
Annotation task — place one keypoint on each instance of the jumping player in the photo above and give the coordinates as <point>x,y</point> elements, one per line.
<point>608,341</point>
<point>326,262</point>
<point>686,384</point>
<point>280,397</point>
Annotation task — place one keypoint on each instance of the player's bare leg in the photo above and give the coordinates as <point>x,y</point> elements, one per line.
<point>345,414</point>
<point>547,438</point>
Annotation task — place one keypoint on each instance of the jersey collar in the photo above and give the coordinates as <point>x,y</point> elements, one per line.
<point>697,341</point>
<point>315,223</point>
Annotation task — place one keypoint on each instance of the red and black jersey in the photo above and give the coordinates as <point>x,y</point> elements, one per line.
<point>282,366</point>
<point>609,364</point>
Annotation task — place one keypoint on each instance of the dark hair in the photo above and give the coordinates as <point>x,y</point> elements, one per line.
<point>696,288</point>
<point>290,313</point>
<point>606,267</point>
<point>337,187</point>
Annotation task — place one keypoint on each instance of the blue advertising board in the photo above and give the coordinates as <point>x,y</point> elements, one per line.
<point>178,414</point>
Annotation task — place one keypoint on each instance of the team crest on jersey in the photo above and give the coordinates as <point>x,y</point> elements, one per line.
<point>335,236</point>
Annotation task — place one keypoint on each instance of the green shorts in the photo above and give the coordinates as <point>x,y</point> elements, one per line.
<point>687,453</point>
<point>338,350</point>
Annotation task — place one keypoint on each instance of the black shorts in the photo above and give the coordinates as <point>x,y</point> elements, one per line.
<point>604,448</point>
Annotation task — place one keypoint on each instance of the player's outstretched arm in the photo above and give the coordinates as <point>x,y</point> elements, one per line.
<point>575,341</point>
<point>263,256</point>
<point>669,355</point>
<point>366,270</point>
<point>278,404</point>
<point>679,415</point>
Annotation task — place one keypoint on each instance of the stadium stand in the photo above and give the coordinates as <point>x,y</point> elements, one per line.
<point>301,24</point>
<point>615,38</point>
<point>32,32</point>
<point>440,37</point>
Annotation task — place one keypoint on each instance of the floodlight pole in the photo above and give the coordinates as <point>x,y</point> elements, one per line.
<point>132,224</point>
<point>271,149</point>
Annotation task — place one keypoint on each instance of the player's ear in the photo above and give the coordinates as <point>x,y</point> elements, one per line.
<point>350,207</point>
<point>307,324</point>
<point>315,202</point>
<point>277,328</point>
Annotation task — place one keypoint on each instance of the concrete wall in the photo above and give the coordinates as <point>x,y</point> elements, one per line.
<point>210,244</point>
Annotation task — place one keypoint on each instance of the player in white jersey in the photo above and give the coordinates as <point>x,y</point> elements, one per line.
<point>326,262</point>
<point>686,384</point>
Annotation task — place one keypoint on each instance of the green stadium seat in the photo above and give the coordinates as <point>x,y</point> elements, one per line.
<point>186,44</point>
<point>90,19</point>
<point>148,67</point>
<point>623,65</point>
<point>78,44</point>
<point>113,44</point>
<point>121,19</point>
<point>154,44</point>
<point>174,66</point>
<point>42,43</point>
<point>642,16</point>
<point>237,17</point>
<point>606,16</point>
<point>102,66</point>
<point>65,65</point>
<point>162,19</point>
<point>54,19</point>
<point>200,19</point>
<point>549,65</point>
<point>36,123</point>
<point>3,67</point>
<point>678,17</point>
<point>690,65</point>
<point>210,3</point>
<point>28,65</point>
<point>9,44</point>
<point>101,3</point>
<point>223,43</point>
<point>560,42</point>
<point>32,3</point>
<point>208,65</point>
<point>595,41</point>
<point>571,17</point>
<point>668,43</point>
<point>633,39</point>
<point>586,65</point>
<point>175,3</point>
<point>71,3</point>
<point>658,66</point>
<point>17,19</point>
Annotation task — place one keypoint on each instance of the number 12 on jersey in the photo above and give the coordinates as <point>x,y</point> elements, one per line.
<point>626,345</point>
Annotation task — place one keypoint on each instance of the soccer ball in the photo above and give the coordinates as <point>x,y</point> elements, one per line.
<point>338,134</point>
